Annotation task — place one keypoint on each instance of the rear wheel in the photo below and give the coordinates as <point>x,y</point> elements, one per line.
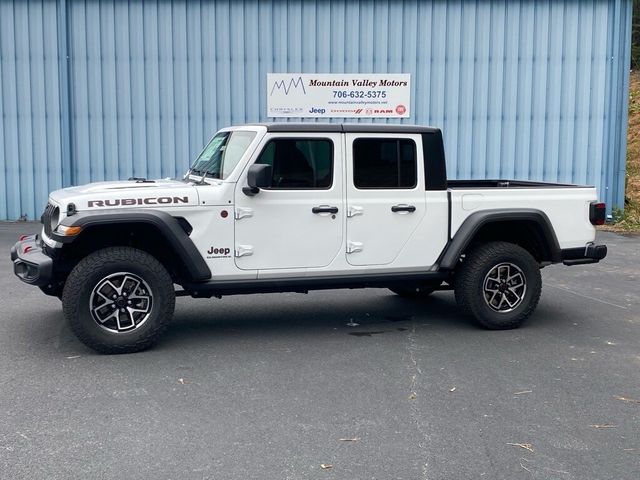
<point>499,283</point>
<point>118,300</point>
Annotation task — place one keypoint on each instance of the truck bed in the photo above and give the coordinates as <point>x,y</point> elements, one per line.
<point>566,206</point>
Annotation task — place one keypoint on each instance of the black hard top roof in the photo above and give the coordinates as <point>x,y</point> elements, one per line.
<point>347,127</point>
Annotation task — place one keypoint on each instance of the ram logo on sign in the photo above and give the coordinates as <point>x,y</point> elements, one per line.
<point>372,95</point>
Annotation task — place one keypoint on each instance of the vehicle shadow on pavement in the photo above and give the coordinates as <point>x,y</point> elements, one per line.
<point>320,312</point>
<point>205,323</point>
<point>261,316</point>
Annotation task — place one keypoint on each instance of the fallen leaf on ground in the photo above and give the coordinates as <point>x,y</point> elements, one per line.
<point>627,399</point>
<point>354,439</point>
<point>525,460</point>
<point>526,446</point>
<point>181,380</point>
<point>604,425</point>
<point>523,392</point>
<point>326,466</point>
<point>452,389</point>
<point>412,396</point>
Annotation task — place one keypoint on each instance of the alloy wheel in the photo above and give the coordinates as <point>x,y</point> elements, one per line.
<point>121,302</point>
<point>504,287</point>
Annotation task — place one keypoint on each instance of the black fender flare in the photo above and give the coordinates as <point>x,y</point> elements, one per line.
<point>474,222</point>
<point>167,225</point>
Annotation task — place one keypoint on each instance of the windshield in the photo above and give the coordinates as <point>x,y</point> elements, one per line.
<point>222,154</point>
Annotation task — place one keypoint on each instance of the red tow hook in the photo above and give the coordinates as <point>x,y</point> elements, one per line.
<point>22,237</point>
<point>27,249</point>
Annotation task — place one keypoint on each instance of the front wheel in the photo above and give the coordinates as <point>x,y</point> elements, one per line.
<point>118,300</point>
<point>499,283</point>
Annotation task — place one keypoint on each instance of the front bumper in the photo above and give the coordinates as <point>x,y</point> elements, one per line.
<point>30,264</point>
<point>591,253</point>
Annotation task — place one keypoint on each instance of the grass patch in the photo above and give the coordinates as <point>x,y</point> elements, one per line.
<point>629,220</point>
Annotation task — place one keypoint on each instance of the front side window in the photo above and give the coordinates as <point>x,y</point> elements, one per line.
<point>222,154</point>
<point>299,163</point>
<point>384,163</point>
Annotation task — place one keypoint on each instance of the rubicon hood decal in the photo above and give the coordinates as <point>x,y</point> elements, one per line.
<point>116,202</point>
<point>126,194</point>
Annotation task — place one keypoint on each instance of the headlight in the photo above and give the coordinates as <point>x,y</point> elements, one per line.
<point>54,218</point>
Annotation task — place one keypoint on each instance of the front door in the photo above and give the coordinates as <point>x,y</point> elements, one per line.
<point>385,195</point>
<point>297,222</point>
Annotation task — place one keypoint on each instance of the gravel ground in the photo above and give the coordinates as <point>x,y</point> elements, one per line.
<point>270,386</point>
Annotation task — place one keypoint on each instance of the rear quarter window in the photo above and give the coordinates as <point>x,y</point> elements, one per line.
<point>384,163</point>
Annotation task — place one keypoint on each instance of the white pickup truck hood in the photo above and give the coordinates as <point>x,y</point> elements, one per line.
<point>127,194</point>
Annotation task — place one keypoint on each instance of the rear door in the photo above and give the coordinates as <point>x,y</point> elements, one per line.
<point>297,222</point>
<point>385,195</point>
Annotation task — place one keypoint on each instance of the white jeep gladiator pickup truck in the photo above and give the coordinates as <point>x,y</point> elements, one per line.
<point>297,207</point>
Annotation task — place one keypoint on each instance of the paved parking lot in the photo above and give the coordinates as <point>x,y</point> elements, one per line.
<point>272,386</point>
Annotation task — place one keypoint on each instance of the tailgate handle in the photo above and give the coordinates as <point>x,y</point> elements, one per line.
<point>403,208</point>
<point>324,209</point>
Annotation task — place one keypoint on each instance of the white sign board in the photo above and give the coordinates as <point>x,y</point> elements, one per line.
<point>373,95</point>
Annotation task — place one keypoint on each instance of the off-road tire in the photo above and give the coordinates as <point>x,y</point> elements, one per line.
<point>414,292</point>
<point>471,275</point>
<point>93,269</point>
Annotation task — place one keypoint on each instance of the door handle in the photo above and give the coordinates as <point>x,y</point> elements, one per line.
<point>324,209</point>
<point>403,208</point>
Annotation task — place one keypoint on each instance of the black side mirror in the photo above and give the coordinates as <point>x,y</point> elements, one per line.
<point>258,176</point>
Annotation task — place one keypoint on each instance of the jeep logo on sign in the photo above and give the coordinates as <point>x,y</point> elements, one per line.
<point>127,202</point>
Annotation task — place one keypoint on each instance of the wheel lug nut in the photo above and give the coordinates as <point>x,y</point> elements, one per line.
<point>122,310</point>
<point>129,302</point>
<point>114,297</point>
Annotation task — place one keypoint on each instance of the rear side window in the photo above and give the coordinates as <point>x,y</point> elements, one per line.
<point>302,163</point>
<point>384,163</point>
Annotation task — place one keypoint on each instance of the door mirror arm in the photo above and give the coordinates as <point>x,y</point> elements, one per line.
<point>258,176</point>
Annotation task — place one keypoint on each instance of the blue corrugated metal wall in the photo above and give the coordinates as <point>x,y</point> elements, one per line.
<point>104,90</point>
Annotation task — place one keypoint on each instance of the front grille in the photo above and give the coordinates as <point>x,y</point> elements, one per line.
<point>46,218</point>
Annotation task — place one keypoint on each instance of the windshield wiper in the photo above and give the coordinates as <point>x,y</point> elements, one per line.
<point>196,172</point>
<point>204,175</point>
<point>201,173</point>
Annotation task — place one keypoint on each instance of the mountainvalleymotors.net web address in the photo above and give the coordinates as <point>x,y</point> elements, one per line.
<point>359,102</point>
